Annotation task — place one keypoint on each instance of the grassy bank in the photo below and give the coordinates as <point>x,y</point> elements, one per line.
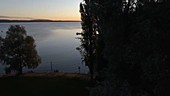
<point>44,84</point>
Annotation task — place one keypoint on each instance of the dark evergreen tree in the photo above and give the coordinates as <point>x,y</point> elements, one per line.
<point>89,37</point>
<point>134,35</point>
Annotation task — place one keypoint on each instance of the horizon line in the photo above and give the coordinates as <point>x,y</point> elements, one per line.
<point>31,18</point>
<point>37,20</point>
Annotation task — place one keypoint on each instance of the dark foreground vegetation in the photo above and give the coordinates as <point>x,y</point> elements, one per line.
<point>44,84</point>
<point>125,44</point>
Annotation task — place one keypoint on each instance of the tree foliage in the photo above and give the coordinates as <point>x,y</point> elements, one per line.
<point>89,38</point>
<point>1,52</point>
<point>19,50</point>
<point>134,38</point>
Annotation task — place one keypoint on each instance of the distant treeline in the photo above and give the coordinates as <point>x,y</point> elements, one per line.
<point>6,21</point>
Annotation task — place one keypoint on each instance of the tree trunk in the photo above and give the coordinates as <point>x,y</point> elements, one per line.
<point>92,81</point>
<point>20,71</point>
<point>91,73</point>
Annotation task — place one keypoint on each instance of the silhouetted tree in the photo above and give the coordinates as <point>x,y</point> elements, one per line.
<point>135,37</point>
<point>19,50</point>
<point>1,51</point>
<point>89,37</point>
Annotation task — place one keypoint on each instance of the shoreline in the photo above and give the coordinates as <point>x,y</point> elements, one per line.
<point>49,74</point>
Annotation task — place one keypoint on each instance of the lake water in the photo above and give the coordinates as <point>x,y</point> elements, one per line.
<point>56,43</point>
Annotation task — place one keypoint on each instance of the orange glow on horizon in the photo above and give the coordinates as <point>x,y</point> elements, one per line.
<point>40,9</point>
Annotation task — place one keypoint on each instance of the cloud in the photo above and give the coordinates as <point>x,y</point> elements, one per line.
<point>11,17</point>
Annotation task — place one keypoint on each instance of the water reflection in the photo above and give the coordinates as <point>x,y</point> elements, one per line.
<point>55,43</point>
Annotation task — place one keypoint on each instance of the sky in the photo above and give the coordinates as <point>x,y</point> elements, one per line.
<point>40,9</point>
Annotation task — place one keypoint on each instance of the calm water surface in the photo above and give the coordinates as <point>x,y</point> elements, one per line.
<point>56,43</point>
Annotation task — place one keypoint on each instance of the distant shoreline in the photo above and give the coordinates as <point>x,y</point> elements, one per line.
<point>14,21</point>
<point>48,74</point>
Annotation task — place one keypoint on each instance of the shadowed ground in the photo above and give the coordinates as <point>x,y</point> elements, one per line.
<point>44,84</point>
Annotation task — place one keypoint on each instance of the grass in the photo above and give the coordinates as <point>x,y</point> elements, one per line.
<point>44,85</point>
